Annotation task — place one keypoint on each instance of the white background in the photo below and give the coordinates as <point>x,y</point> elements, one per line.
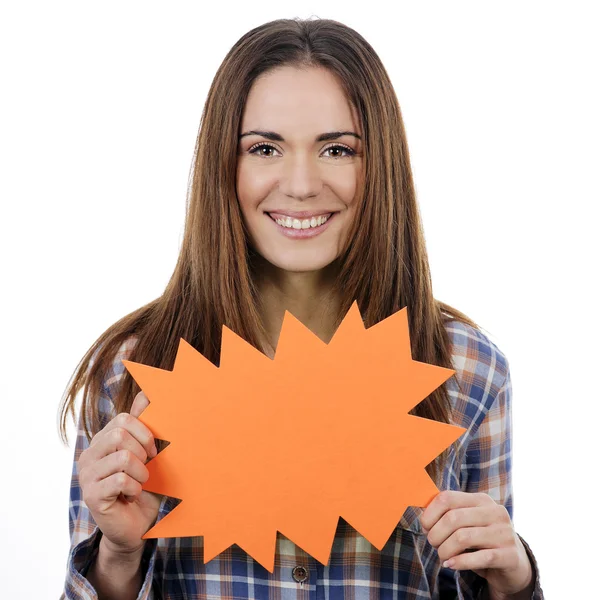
<point>100,108</point>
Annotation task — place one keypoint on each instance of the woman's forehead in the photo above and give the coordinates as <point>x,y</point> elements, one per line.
<point>293,101</point>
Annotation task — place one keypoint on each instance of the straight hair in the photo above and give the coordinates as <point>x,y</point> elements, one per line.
<point>383,266</point>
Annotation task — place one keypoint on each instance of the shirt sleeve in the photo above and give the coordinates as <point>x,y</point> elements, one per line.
<point>488,468</point>
<point>84,533</point>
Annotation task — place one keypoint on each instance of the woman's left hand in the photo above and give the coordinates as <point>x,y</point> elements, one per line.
<point>472,531</point>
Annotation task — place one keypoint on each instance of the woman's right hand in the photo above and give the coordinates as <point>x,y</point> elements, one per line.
<point>111,473</point>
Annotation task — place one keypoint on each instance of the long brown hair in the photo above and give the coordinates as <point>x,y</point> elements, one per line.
<point>384,265</point>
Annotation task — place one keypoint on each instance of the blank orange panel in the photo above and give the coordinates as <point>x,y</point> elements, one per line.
<point>292,444</point>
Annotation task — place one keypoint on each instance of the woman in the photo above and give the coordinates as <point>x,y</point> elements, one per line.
<point>302,199</point>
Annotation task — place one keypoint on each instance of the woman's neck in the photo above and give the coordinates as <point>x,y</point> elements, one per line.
<point>307,295</point>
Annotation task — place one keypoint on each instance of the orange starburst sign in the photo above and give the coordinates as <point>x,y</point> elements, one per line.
<point>292,444</point>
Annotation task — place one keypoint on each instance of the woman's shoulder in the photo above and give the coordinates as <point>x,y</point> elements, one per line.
<point>101,408</point>
<point>482,371</point>
<point>113,376</point>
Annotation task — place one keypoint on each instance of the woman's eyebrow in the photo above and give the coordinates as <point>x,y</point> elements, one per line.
<point>323,137</point>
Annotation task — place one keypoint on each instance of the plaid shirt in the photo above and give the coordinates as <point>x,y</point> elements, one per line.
<point>407,568</point>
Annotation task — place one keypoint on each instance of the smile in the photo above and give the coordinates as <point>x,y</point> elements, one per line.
<point>291,223</point>
<point>308,226</point>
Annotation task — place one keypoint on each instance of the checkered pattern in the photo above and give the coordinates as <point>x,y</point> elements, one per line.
<point>407,568</point>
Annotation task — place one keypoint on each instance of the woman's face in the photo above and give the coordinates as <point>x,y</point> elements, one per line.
<point>298,193</point>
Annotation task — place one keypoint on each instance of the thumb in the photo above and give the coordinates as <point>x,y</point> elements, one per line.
<point>140,402</point>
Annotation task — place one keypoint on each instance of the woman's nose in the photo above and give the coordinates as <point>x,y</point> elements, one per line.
<point>300,176</point>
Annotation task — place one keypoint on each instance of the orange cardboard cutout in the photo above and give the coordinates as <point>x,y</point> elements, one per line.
<point>292,444</point>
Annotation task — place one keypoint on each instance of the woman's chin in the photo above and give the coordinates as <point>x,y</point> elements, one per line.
<point>298,265</point>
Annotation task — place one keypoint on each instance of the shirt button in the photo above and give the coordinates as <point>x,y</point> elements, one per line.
<point>300,574</point>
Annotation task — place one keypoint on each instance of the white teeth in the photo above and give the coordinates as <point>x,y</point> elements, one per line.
<point>291,223</point>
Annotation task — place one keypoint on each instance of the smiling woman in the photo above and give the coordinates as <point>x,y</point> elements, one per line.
<point>308,187</point>
<point>302,199</point>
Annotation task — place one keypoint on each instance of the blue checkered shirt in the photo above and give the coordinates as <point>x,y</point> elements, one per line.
<point>407,568</point>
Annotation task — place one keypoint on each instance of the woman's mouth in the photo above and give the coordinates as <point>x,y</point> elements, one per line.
<point>295,227</point>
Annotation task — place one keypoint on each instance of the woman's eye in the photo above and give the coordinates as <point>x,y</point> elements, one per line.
<point>260,147</point>
<point>348,151</point>
<point>337,148</point>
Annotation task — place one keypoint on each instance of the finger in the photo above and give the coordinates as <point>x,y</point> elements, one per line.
<point>140,402</point>
<point>136,428</point>
<point>458,518</point>
<point>109,441</point>
<point>488,558</point>
<point>124,461</point>
<point>118,483</point>
<point>468,538</point>
<point>447,500</point>
<point>102,494</point>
